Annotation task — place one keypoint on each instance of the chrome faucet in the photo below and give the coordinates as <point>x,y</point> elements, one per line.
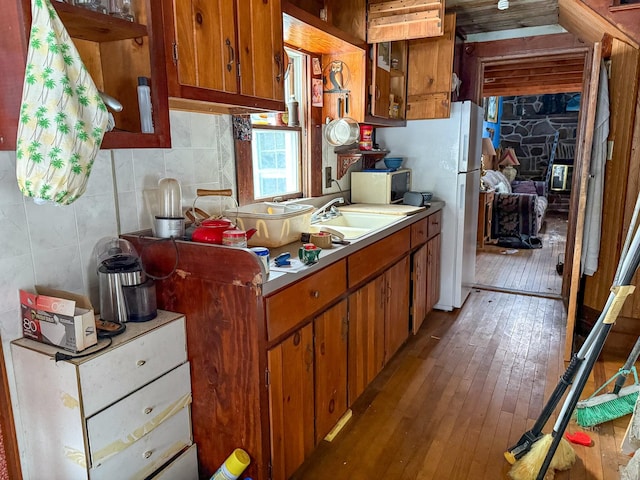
<point>328,210</point>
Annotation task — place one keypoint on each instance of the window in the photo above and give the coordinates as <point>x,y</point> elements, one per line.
<point>276,162</point>
<point>277,143</point>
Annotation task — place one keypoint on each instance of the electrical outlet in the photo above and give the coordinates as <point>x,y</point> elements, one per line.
<point>327,177</point>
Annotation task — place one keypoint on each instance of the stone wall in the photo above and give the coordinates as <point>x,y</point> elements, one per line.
<point>529,123</point>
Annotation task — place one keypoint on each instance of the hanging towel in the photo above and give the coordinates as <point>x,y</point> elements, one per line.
<point>595,189</point>
<point>62,117</point>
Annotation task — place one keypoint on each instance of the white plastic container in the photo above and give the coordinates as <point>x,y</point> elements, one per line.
<point>144,104</point>
<point>283,225</point>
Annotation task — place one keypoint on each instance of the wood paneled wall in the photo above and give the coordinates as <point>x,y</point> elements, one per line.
<point>622,179</point>
<point>534,51</point>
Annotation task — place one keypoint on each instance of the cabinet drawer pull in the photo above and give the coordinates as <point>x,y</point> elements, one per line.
<point>232,54</point>
<point>315,293</point>
<point>148,410</point>
<point>140,363</point>
<point>147,454</point>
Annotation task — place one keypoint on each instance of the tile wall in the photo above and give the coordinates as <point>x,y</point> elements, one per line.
<point>53,246</point>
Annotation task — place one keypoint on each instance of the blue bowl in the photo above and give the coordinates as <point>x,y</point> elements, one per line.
<point>393,162</point>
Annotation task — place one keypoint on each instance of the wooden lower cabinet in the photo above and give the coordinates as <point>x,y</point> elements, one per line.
<point>291,401</point>
<point>366,335</point>
<point>307,387</point>
<point>425,275</point>
<point>274,373</point>
<point>433,272</point>
<point>378,324</point>
<point>330,338</point>
<point>420,291</point>
<point>396,330</point>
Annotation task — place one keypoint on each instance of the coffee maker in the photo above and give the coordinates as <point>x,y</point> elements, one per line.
<point>126,294</point>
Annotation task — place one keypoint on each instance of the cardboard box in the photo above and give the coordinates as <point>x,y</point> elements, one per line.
<point>59,318</point>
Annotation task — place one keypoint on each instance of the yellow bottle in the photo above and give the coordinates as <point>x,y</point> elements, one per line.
<point>233,466</point>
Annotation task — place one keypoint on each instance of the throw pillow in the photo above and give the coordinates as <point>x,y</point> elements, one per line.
<point>525,186</point>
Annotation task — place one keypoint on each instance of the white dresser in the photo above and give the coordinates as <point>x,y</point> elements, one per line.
<point>122,412</point>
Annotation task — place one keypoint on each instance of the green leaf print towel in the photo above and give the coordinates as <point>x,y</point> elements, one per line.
<point>62,117</point>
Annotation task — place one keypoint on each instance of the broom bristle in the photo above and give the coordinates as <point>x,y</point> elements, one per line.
<point>528,466</point>
<point>618,406</point>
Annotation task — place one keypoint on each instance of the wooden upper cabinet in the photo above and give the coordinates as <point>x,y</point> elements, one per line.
<point>390,20</point>
<point>261,52</point>
<point>225,53</point>
<point>115,52</point>
<point>429,74</point>
<point>205,44</point>
<point>388,84</point>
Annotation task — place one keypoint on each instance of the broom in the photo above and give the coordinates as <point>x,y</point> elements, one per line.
<point>528,460</point>
<point>598,409</point>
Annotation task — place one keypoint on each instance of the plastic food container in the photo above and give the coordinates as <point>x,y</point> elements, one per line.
<point>234,238</point>
<point>276,224</point>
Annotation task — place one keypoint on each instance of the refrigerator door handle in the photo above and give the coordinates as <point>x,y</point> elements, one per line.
<point>464,159</point>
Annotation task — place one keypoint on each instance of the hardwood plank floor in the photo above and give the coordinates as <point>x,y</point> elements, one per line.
<point>531,271</point>
<point>462,391</point>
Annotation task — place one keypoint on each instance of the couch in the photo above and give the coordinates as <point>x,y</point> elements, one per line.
<point>518,206</point>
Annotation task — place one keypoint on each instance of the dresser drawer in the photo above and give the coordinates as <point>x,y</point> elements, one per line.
<point>288,307</point>
<point>111,376</point>
<point>124,422</point>
<point>366,262</point>
<point>150,452</point>
<point>183,467</point>
<point>435,224</point>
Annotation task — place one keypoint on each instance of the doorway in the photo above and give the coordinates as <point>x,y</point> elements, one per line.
<point>512,66</point>
<point>534,139</point>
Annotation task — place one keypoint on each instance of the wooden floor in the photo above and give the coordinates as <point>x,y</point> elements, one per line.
<point>462,391</point>
<point>521,270</point>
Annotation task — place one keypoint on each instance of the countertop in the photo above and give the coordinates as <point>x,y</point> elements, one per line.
<point>277,280</point>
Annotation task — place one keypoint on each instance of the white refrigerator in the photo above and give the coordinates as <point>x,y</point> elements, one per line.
<point>444,157</point>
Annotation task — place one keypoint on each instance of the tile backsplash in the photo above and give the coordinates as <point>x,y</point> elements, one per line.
<point>53,245</point>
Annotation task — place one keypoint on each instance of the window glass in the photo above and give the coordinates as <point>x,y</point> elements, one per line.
<point>276,162</point>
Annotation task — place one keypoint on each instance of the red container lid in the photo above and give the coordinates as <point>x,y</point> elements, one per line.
<point>234,234</point>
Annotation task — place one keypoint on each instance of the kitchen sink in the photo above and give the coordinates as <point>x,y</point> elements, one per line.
<point>354,225</point>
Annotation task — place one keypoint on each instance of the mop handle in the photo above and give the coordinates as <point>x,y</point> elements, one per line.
<point>627,240</point>
<point>627,266</point>
<point>626,368</point>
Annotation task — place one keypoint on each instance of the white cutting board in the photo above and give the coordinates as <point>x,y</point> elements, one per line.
<point>380,208</point>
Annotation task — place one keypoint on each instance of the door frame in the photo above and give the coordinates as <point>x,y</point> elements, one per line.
<point>523,52</point>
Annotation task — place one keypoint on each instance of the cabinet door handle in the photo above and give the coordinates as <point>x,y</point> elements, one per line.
<point>148,410</point>
<point>279,63</point>
<point>140,363</point>
<point>377,92</point>
<point>315,293</point>
<point>232,55</point>
<point>147,454</point>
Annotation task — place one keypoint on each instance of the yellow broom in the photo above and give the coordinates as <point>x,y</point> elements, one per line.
<point>528,467</point>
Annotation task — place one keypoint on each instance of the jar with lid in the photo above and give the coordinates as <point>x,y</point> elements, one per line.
<point>234,238</point>
<point>263,255</point>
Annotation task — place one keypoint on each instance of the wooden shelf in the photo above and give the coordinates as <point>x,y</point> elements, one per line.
<point>349,157</point>
<point>86,24</point>
<point>303,30</point>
